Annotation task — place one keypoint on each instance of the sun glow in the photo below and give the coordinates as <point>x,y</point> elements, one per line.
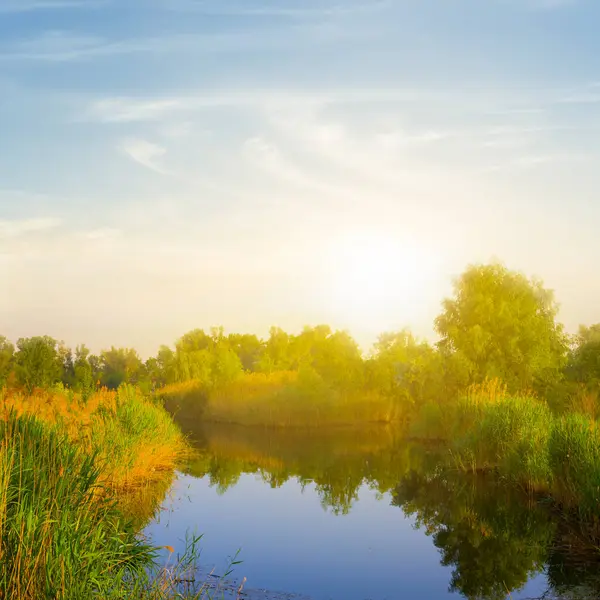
<point>378,280</point>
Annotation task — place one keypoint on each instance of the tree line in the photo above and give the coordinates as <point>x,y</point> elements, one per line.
<point>497,324</point>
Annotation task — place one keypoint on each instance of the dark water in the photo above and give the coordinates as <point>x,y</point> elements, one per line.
<point>357,515</point>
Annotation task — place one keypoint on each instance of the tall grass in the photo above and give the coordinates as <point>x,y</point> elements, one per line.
<point>134,439</point>
<point>283,399</point>
<point>512,435</point>
<point>65,465</point>
<point>520,437</point>
<point>448,420</point>
<point>574,456</point>
<point>59,537</point>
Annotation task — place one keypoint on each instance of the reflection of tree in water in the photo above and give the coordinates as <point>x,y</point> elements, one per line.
<point>494,536</point>
<point>336,462</point>
<point>494,540</point>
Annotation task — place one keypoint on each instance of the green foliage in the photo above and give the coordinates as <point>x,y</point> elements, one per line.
<point>226,366</point>
<point>503,325</point>
<point>38,363</point>
<point>584,359</point>
<point>83,377</point>
<point>277,354</point>
<point>248,348</point>
<point>405,369</point>
<point>7,351</point>
<point>120,365</point>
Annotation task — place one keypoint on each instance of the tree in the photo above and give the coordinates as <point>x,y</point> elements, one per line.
<point>7,351</point>
<point>276,355</point>
<point>248,348</point>
<point>65,356</point>
<point>38,363</point>
<point>120,365</point>
<point>226,366</point>
<point>501,324</point>
<point>584,360</point>
<point>194,341</point>
<point>338,360</point>
<point>405,368</point>
<point>84,376</point>
<point>165,366</point>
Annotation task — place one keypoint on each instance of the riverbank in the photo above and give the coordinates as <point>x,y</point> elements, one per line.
<point>522,439</point>
<point>282,399</point>
<point>65,462</point>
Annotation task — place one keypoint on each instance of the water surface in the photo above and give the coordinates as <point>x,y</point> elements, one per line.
<point>363,514</point>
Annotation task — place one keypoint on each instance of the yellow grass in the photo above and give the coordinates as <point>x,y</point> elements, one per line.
<point>489,391</point>
<point>135,439</point>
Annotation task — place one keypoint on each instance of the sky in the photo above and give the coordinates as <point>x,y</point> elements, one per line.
<point>173,164</point>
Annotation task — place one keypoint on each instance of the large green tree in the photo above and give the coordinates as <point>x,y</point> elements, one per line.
<point>38,363</point>
<point>502,324</point>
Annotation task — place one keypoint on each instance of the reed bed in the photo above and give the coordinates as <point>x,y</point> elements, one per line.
<point>133,438</point>
<point>59,537</point>
<point>70,469</point>
<point>521,438</point>
<point>283,399</point>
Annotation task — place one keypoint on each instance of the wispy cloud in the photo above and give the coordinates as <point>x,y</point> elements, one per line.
<point>123,110</point>
<point>18,227</point>
<point>144,153</point>
<point>131,109</point>
<point>267,156</point>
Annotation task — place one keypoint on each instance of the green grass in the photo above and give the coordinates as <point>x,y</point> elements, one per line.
<point>522,439</point>
<point>136,440</point>
<point>60,536</point>
<point>64,533</point>
<point>511,435</point>
<point>574,456</point>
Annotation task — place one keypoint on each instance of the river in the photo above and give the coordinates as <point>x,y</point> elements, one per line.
<point>366,515</point>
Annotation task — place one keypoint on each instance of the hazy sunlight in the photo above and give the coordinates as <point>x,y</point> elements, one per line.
<point>374,276</point>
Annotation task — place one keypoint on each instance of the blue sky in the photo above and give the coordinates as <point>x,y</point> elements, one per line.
<point>171,164</point>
